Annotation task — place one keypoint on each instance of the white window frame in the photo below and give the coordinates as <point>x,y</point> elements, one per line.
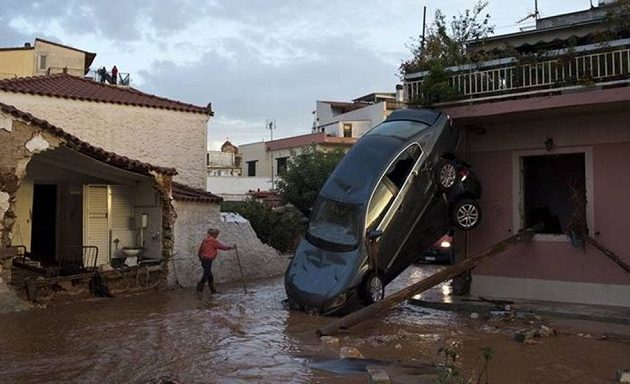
<point>518,201</point>
<point>39,62</point>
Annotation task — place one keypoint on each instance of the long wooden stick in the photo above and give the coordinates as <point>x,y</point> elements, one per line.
<point>240,268</point>
<point>608,253</point>
<point>421,286</point>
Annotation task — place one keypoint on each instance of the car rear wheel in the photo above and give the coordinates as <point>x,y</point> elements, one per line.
<point>446,174</point>
<point>372,289</point>
<point>466,214</point>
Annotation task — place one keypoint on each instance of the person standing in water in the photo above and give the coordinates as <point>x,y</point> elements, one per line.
<point>208,251</point>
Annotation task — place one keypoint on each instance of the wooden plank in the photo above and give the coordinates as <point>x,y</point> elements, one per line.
<point>421,286</point>
<point>611,255</point>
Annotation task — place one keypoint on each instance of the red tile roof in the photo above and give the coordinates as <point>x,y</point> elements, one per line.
<point>72,87</point>
<point>186,193</point>
<point>304,140</point>
<point>87,149</point>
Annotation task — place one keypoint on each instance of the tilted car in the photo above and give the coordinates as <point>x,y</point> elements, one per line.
<point>396,192</point>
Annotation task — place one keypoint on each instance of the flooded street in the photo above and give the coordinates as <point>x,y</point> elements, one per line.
<point>251,338</point>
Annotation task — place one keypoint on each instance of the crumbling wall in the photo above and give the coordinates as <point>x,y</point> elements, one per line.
<point>193,219</point>
<point>18,144</point>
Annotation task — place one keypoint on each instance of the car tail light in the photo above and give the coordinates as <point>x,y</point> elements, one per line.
<point>463,173</point>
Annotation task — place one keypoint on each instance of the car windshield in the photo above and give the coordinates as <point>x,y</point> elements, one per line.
<point>402,129</point>
<point>335,225</point>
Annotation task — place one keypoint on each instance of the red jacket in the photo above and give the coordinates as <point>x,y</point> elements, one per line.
<point>209,247</point>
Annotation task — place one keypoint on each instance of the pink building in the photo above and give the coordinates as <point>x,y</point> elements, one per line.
<point>550,142</point>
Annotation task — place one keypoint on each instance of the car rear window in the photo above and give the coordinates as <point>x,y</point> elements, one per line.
<point>401,129</point>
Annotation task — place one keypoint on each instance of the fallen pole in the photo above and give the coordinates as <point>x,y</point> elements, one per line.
<point>611,255</point>
<point>421,286</point>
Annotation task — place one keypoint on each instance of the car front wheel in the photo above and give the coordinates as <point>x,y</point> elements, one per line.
<point>466,214</point>
<point>372,289</point>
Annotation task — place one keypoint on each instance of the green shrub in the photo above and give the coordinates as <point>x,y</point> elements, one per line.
<point>280,228</point>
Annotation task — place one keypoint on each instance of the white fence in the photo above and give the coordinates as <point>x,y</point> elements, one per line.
<point>580,69</point>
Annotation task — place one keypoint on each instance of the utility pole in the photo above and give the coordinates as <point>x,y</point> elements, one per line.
<point>270,124</point>
<point>424,26</point>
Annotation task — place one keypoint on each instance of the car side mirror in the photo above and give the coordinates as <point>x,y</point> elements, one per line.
<point>374,234</point>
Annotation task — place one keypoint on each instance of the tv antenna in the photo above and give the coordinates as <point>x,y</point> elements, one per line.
<point>535,15</point>
<point>270,124</point>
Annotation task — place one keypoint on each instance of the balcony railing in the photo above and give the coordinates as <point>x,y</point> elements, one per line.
<point>122,78</point>
<point>507,77</point>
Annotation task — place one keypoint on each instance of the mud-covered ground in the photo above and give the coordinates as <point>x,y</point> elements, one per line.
<point>253,338</point>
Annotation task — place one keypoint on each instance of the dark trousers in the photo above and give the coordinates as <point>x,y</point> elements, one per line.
<point>206,264</point>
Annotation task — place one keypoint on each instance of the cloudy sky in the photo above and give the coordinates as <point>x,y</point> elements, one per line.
<point>253,59</point>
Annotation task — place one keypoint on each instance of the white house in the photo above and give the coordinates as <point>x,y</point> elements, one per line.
<point>353,119</point>
<point>165,210</point>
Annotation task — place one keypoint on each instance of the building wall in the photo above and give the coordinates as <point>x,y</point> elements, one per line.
<point>18,63</point>
<point>70,205</point>
<point>236,188</point>
<point>58,57</point>
<point>359,127</point>
<point>161,137</point>
<point>570,273</point>
<point>370,115</point>
<point>256,151</point>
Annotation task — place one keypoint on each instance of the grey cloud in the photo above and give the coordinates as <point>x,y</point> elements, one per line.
<point>243,88</point>
<point>119,20</point>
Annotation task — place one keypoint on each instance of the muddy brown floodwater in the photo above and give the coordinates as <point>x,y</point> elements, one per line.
<point>253,338</point>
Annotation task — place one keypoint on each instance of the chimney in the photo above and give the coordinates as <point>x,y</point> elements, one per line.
<point>400,93</point>
<point>27,45</point>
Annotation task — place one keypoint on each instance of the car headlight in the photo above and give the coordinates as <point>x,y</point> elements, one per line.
<point>445,244</point>
<point>339,300</point>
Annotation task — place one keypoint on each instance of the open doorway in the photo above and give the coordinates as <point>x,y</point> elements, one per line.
<point>44,224</point>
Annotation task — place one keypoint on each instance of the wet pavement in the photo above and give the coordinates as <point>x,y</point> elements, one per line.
<point>252,338</point>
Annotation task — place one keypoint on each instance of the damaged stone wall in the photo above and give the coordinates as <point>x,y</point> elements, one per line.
<point>193,219</point>
<point>18,143</point>
<point>163,185</point>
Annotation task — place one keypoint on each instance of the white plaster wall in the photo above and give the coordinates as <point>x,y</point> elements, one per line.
<point>220,159</point>
<point>158,136</point>
<point>256,151</point>
<point>359,127</point>
<point>374,113</point>
<point>227,186</point>
<point>258,260</point>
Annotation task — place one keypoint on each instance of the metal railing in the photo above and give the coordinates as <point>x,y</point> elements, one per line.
<point>122,78</point>
<point>580,69</point>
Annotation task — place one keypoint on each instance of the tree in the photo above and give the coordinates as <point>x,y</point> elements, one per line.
<point>305,176</point>
<point>445,46</point>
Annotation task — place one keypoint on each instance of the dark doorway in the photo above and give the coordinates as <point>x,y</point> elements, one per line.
<point>44,224</point>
